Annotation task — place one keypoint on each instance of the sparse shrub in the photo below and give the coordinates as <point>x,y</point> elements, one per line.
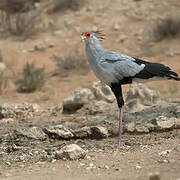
<point>4,81</point>
<point>19,17</point>
<point>32,78</point>
<point>61,5</point>
<point>71,63</point>
<point>168,27</point>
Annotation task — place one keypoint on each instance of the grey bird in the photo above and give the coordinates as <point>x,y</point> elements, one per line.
<point>115,69</point>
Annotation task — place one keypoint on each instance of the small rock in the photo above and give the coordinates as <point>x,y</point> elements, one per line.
<point>18,110</point>
<point>123,38</point>
<point>138,167</point>
<point>164,153</point>
<point>82,132</point>
<point>177,123</point>
<point>1,56</point>
<point>116,27</point>
<point>102,92</point>
<point>106,167</point>
<point>2,67</point>
<point>177,148</point>
<point>135,105</point>
<point>141,129</point>
<point>56,109</point>
<point>127,143</point>
<point>31,50</point>
<point>142,94</point>
<point>99,132</point>
<point>51,44</point>
<point>96,107</point>
<point>8,163</point>
<point>31,132</point>
<point>71,152</point>
<point>91,166</point>
<point>58,131</point>
<point>164,123</point>
<point>154,176</point>
<point>130,127</point>
<point>21,158</point>
<point>78,99</point>
<point>40,47</point>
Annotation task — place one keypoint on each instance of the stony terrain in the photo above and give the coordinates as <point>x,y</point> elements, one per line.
<point>68,129</point>
<point>34,139</point>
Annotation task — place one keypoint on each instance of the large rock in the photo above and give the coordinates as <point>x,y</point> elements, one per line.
<point>78,99</point>
<point>164,123</point>
<point>31,133</point>
<point>71,152</point>
<point>58,131</point>
<point>139,96</point>
<point>102,92</point>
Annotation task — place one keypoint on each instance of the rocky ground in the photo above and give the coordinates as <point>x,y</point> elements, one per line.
<point>78,138</point>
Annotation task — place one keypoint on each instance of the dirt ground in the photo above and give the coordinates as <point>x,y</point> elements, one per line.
<point>150,153</point>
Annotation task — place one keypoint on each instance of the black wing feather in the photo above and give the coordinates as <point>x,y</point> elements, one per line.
<point>155,70</point>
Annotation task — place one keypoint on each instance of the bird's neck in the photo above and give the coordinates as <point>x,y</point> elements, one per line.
<point>94,51</point>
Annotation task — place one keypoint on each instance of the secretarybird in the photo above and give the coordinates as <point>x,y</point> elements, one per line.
<point>115,69</point>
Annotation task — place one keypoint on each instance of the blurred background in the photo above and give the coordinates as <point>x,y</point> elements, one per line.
<point>42,58</point>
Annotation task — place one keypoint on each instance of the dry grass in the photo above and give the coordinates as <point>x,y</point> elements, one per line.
<point>71,63</point>
<point>61,5</point>
<point>169,27</point>
<point>4,82</point>
<point>19,18</point>
<point>31,79</point>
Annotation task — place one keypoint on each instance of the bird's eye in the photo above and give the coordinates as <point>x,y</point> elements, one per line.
<point>87,34</point>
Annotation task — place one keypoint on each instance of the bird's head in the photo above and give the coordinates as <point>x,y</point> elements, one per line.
<point>92,36</point>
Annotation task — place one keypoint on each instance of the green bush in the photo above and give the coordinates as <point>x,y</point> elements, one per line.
<point>32,78</point>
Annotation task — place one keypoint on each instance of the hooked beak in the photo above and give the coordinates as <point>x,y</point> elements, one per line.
<point>82,38</point>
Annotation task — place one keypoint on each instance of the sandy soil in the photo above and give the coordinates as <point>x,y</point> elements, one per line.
<point>107,161</point>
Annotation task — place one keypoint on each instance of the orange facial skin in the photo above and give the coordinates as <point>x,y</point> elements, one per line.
<point>86,35</point>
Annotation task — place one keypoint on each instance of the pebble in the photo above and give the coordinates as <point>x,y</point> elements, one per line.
<point>164,153</point>
<point>127,143</point>
<point>21,158</point>
<point>8,163</point>
<point>138,167</point>
<point>71,152</point>
<point>123,38</point>
<point>116,27</point>
<point>106,167</point>
<point>177,148</point>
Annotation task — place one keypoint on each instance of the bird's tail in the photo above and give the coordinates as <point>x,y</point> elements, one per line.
<point>172,75</point>
<point>156,70</point>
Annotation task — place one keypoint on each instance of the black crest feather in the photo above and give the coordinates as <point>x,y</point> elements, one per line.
<point>99,34</point>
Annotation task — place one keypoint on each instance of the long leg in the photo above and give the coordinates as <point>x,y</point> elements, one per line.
<point>117,90</point>
<point>120,125</point>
